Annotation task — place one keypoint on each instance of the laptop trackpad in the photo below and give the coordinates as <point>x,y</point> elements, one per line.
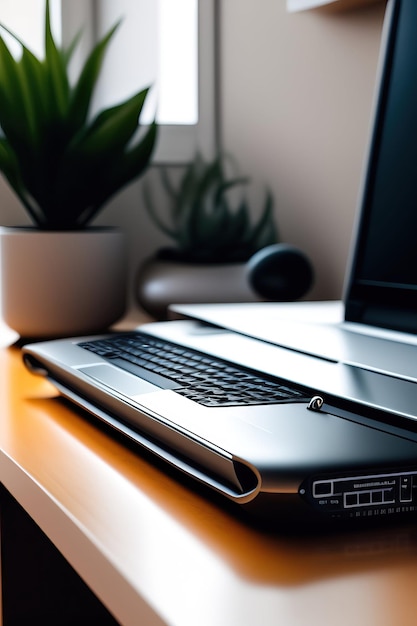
<point>123,382</point>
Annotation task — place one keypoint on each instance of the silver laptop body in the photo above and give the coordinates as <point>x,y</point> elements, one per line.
<point>343,443</point>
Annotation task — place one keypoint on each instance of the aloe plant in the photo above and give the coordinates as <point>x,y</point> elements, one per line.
<point>202,220</point>
<point>62,165</point>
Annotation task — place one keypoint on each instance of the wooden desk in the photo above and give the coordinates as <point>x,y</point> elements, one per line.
<point>154,551</point>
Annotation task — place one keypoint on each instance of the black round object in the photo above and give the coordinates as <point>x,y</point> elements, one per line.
<point>280,272</point>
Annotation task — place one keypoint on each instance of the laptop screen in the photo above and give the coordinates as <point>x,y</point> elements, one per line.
<point>383,283</point>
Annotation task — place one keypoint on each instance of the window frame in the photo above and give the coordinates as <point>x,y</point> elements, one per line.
<point>177,144</point>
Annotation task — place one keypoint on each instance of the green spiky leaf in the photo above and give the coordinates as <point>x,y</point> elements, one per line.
<point>204,223</point>
<point>63,166</point>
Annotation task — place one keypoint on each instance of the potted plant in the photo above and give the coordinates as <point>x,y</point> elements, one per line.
<point>62,276</point>
<point>209,220</point>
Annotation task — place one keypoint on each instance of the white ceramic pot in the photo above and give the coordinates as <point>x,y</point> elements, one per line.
<point>57,284</point>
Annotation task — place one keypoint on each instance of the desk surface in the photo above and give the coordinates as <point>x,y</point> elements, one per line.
<point>154,551</point>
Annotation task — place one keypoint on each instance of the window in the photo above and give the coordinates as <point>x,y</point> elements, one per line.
<point>169,44</point>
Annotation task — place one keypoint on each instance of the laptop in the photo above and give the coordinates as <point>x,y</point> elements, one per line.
<point>291,410</point>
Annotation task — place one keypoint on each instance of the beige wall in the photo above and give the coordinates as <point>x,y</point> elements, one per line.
<point>295,102</point>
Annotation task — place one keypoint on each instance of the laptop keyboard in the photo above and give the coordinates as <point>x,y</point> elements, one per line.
<point>207,380</point>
